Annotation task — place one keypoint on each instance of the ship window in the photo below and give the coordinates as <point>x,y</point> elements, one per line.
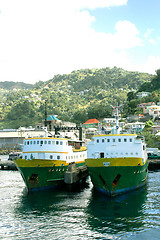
<point>57,142</point>
<point>114,139</point>
<point>131,153</point>
<point>27,142</point>
<point>136,153</point>
<point>61,143</point>
<point>130,139</point>
<point>125,139</point>
<point>108,140</point>
<point>45,142</point>
<point>143,147</point>
<point>41,142</point>
<point>126,153</point>
<point>34,142</point>
<point>37,142</point>
<point>26,157</point>
<point>102,140</point>
<point>30,142</point>
<point>97,140</point>
<point>49,142</point>
<point>71,157</point>
<point>102,155</point>
<point>51,157</point>
<point>24,143</point>
<point>58,157</point>
<point>53,142</point>
<point>119,139</point>
<point>66,157</point>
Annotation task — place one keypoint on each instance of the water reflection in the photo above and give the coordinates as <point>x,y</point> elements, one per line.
<point>80,213</point>
<point>42,202</point>
<point>117,215</point>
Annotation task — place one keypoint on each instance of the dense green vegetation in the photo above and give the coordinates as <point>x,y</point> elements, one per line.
<point>76,97</point>
<point>12,85</point>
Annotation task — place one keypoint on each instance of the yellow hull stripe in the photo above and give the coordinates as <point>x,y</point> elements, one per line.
<point>41,163</point>
<point>45,152</point>
<point>114,162</point>
<point>110,135</point>
<point>47,138</point>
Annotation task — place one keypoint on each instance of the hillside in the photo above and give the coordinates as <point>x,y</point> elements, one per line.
<point>73,97</point>
<point>105,78</point>
<point>13,85</point>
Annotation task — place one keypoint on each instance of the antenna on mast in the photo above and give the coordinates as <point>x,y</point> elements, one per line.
<point>45,122</point>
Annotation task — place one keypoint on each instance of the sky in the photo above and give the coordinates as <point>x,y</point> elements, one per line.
<point>43,38</point>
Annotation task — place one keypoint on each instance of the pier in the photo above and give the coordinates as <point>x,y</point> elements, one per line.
<point>75,174</point>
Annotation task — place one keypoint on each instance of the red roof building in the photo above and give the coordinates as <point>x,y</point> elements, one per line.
<point>91,123</point>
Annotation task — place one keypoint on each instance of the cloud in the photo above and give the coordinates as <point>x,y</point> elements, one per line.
<point>152,64</point>
<point>42,38</point>
<point>93,4</point>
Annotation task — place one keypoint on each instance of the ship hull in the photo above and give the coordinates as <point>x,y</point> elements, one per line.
<point>39,174</point>
<point>117,176</point>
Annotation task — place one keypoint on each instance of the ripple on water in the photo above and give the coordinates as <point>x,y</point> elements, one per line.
<point>82,214</point>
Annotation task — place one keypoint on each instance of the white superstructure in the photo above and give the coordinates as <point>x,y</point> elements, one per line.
<point>117,146</point>
<point>49,148</point>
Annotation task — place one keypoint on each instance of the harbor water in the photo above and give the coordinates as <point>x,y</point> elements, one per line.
<point>77,214</point>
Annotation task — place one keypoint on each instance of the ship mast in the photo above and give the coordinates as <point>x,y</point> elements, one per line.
<point>117,120</point>
<point>116,128</point>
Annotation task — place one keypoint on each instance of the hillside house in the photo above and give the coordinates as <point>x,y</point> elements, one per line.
<point>143,94</point>
<point>91,123</point>
<point>145,105</point>
<point>134,127</point>
<point>154,111</point>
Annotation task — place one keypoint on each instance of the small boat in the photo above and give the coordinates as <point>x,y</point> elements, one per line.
<point>45,159</point>
<point>117,163</point>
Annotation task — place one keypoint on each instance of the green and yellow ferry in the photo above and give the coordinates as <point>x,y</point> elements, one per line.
<point>45,160</point>
<point>117,163</point>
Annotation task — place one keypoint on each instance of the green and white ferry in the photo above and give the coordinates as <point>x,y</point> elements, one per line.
<point>117,163</point>
<point>45,160</point>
